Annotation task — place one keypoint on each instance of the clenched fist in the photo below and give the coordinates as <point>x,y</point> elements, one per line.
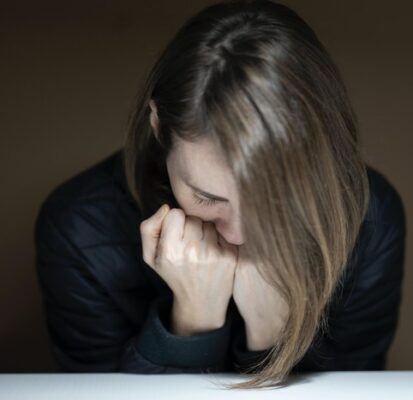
<point>197,264</point>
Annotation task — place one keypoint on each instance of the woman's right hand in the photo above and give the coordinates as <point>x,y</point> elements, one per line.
<point>196,262</point>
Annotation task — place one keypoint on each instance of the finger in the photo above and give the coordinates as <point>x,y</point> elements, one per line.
<point>173,227</point>
<point>150,230</point>
<point>210,232</point>
<point>193,228</point>
<point>226,246</point>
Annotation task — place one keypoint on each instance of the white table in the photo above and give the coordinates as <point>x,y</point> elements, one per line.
<point>335,385</point>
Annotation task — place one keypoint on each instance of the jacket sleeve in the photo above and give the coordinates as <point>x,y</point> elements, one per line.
<point>155,347</point>
<point>89,333</point>
<point>363,323</point>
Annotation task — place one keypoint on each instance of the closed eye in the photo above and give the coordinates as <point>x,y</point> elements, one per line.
<point>205,202</point>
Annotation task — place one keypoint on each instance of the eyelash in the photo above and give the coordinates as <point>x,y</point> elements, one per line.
<point>209,202</point>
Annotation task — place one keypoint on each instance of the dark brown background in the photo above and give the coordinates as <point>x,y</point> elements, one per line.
<point>69,71</point>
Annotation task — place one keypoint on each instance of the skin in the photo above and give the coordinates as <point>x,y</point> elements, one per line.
<point>197,164</point>
<point>201,164</point>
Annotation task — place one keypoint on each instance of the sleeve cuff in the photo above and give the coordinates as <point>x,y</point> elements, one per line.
<point>158,345</point>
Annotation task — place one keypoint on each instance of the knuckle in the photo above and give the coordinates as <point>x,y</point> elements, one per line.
<point>178,212</point>
<point>192,251</point>
<point>168,255</point>
<point>192,246</point>
<point>228,258</point>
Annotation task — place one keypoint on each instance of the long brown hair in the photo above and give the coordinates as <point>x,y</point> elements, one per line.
<point>254,78</point>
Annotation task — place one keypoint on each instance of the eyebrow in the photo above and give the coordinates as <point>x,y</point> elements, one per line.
<point>206,194</point>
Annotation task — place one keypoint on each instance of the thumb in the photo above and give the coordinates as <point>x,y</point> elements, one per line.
<point>156,220</point>
<point>150,233</point>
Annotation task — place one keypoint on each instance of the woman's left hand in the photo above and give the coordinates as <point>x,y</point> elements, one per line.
<point>262,308</point>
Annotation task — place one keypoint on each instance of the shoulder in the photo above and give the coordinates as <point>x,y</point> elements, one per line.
<point>385,204</point>
<point>383,232</point>
<point>93,206</point>
<point>379,249</point>
<point>377,259</point>
<point>384,222</point>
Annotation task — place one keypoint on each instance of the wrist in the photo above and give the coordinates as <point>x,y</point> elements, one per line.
<point>257,340</point>
<point>185,321</point>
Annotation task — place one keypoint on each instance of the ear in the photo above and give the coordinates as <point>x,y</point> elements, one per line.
<point>154,120</point>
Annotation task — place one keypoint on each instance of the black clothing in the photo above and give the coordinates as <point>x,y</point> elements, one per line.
<point>107,310</point>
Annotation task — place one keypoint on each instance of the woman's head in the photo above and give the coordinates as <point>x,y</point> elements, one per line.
<point>202,183</point>
<point>247,104</point>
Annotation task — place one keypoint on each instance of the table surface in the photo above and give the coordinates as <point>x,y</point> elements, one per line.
<point>334,385</point>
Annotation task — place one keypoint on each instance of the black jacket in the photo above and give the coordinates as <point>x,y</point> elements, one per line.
<point>107,311</point>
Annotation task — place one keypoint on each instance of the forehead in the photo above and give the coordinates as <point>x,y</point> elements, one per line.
<point>202,148</point>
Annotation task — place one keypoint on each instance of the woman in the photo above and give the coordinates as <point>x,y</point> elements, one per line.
<point>280,250</point>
